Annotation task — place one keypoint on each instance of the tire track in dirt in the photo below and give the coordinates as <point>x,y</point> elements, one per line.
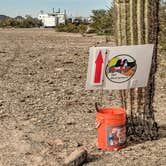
<point>11,136</point>
<point>10,61</point>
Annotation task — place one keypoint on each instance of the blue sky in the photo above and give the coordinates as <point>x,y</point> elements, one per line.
<point>33,7</point>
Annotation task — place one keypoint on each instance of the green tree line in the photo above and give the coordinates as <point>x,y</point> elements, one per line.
<point>101,23</point>
<point>27,22</point>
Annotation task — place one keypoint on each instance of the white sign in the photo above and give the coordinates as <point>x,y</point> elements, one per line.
<point>122,67</point>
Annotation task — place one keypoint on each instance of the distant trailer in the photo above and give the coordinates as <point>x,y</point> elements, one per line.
<point>49,22</point>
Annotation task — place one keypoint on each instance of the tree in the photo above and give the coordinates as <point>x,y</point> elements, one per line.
<point>139,26</point>
<point>102,21</point>
<point>29,22</point>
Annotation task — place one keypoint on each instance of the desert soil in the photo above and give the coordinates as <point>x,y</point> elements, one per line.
<point>45,112</point>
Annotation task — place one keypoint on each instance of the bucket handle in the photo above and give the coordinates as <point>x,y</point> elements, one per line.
<point>99,122</point>
<point>96,106</point>
<point>98,125</point>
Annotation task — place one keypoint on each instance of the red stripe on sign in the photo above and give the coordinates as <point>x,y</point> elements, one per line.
<point>99,63</point>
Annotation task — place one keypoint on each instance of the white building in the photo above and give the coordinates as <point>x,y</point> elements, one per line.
<point>52,19</point>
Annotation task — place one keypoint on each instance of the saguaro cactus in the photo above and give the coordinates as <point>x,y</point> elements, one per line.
<point>137,23</point>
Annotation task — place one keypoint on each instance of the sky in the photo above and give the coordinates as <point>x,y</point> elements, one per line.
<point>33,7</point>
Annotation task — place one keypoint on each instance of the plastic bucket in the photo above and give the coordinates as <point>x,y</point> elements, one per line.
<point>111,128</point>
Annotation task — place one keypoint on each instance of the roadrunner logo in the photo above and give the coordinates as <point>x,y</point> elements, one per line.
<point>121,68</point>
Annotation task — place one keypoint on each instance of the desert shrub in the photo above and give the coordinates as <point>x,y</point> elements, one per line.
<point>82,28</point>
<point>28,22</point>
<point>102,21</point>
<point>8,22</point>
<point>67,28</point>
<point>72,28</point>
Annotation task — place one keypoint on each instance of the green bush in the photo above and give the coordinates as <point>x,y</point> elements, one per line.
<point>29,22</point>
<point>82,28</point>
<point>102,21</point>
<point>72,28</point>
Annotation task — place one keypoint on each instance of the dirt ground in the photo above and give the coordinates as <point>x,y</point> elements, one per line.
<point>45,112</point>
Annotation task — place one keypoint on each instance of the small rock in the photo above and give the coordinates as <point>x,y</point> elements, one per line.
<point>70,122</point>
<point>79,144</point>
<point>94,142</point>
<point>51,82</point>
<point>76,158</point>
<point>22,100</point>
<point>3,52</point>
<point>40,67</point>
<point>89,111</point>
<point>57,142</point>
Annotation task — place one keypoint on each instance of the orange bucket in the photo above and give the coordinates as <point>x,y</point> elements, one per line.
<point>111,128</point>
